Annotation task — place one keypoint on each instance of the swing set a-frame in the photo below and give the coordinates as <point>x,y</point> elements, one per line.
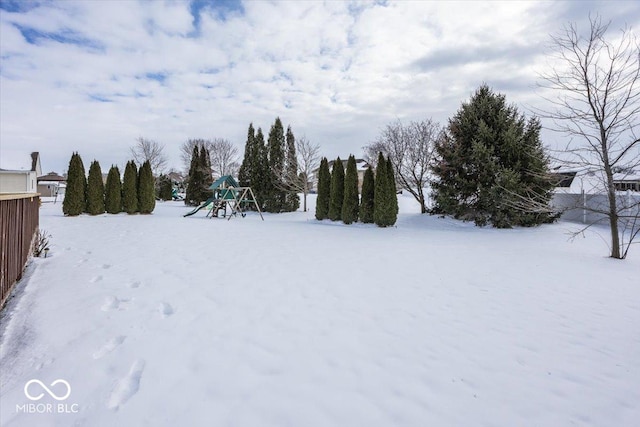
<point>228,200</point>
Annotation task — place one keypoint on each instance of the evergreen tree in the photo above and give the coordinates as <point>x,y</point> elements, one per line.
<point>95,190</point>
<point>337,191</point>
<point>324,190</point>
<point>75,194</point>
<point>165,188</point>
<point>260,170</point>
<point>393,189</point>
<point>292,200</point>
<point>350,204</point>
<point>207,175</point>
<point>194,179</point>
<point>368,191</point>
<point>129,188</point>
<point>490,165</point>
<point>384,214</point>
<point>245,172</point>
<point>146,190</point>
<point>113,192</point>
<point>275,195</point>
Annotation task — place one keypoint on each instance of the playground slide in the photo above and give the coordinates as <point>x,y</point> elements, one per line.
<point>209,200</point>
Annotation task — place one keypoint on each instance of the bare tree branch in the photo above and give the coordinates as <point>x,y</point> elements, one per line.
<point>152,151</point>
<point>308,158</point>
<point>596,102</point>
<point>410,148</point>
<point>224,158</point>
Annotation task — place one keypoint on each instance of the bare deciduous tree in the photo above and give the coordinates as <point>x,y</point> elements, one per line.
<point>594,88</point>
<point>186,151</point>
<point>147,149</point>
<point>222,154</point>
<point>410,148</point>
<point>308,159</point>
<point>224,158</point>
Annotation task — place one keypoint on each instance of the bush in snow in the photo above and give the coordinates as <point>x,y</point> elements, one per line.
<point>95,190</point>
<point>130,188</point>
<point>350,204</point>
<point>366,204</point>
<point>146,189</point>
<point>337,191</point>
<point>75,194</point>
<point>324,190</point>
<point>113,192</point>
<point>385,211</point>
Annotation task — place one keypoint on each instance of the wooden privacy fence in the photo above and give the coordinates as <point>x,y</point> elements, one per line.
<point>19,218</point>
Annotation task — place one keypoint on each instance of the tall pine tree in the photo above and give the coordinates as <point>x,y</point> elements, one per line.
<point>292,200</point>
<point>324,190</point>
<point>207,174</point>
<point>260,170</point>
<point>246,171</point>
<point>130,188</point>
<point>146,189</point>
<point>490,166</point>
<point>95,190</point>
<point>368,192</point>
<point>275,195</point>
<point>337,191</point>
<point>350,204</point>
<point>194,179</point>
<point>113,191</point>
<point>75,194</point>
<point>384,214</point>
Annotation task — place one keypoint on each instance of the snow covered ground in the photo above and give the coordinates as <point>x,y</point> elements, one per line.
<point>168,321</point>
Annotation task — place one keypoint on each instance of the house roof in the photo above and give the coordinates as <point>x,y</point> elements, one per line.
<point>224,181</point>
<point>51,176</point>
<point>176,176</point>
<point>591,182</point>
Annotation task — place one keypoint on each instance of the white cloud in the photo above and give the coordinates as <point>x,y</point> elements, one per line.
<point>335,71</point>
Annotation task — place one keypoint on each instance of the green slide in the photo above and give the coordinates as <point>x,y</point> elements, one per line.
<point>209,200</point>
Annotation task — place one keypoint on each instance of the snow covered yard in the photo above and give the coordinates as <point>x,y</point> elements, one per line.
<point>168,321</point>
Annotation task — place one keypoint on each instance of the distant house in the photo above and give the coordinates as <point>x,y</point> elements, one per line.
<point>21,181</point>
<point>627,181</point>
<point>581,196</point>
<point>51,185</point>
<point>177,180</point>
<point>571,181</point>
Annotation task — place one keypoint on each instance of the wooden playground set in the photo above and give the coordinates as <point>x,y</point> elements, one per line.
<point>228,200</point>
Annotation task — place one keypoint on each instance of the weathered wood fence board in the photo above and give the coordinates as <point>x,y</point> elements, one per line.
<point>19,219</point>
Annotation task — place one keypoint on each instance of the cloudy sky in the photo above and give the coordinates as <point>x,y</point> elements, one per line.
<point>92,76</point>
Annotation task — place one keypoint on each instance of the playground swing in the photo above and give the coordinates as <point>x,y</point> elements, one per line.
<point>228,195</point>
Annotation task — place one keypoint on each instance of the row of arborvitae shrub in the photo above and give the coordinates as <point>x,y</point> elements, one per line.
<point>136,193</point>
<point>338,198</point>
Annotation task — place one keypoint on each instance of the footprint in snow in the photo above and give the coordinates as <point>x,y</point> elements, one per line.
<point>110,303</point>
<point>114,303</point>
<point>166,309</point>
<point>127,386</point>
<point>110,345</point>
<point>106,266</point>
<point>135,284</point>
<point>95,279</point>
